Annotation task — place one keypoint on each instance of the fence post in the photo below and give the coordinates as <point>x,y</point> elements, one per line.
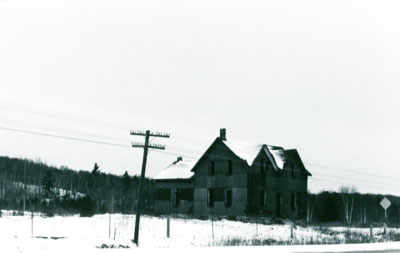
<point>109,226</point>
<point>32,223</point>
<point>212,228</point>
<point>384,228</point>
<point>256,226</point>
<point>168,225</point>
<point>291,231</point>
<point>370,231</point>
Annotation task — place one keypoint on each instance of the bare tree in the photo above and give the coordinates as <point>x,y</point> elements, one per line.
<point>363,206</point>
<point>347,193</point>
<point>310,206</point>
<point>111,198</point>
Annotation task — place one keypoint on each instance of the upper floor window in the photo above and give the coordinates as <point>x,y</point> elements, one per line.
<point>263,167</point>
<point>263,181</point>
<point>292,171</point>
<point>229,166</point>
<point>211,168</point>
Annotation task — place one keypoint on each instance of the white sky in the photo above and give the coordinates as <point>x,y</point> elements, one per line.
<point>319,76</point>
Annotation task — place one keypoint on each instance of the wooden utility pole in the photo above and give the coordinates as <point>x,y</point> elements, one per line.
<point>24,192</point>
<point>146,147</point>
<point>70,188</point>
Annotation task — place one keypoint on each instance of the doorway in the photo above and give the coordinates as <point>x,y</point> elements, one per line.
<point>278,204</point>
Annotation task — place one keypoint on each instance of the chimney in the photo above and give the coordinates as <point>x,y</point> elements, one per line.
<point>222,134</point>
<point>179,159</point>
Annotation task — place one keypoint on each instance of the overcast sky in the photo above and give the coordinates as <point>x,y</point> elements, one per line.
<point>319,76</point>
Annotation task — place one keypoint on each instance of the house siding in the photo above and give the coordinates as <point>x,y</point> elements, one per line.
<point>270,191</point>
<point>169,206</point>
<point>237,182</point>
<point>277,182</point>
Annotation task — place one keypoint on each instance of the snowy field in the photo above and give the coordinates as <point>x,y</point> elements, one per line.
<point>89,234</point>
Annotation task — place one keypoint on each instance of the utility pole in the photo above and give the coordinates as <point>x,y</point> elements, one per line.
<point>24,192</point>
<point>145,146</point>
<point>70,188</point>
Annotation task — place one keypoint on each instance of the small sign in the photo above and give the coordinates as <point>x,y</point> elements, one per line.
<point>385,203</point>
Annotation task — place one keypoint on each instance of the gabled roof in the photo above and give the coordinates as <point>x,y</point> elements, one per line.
<point>278,155</point>
<point>245,150</point>
<point>249,151</point>
<point>294,155</point>
<point>180,169</point>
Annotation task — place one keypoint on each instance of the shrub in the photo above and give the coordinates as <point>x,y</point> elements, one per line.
<point>87,207</point>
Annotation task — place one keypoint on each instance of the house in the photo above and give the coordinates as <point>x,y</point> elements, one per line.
<point>174,188</point>
<point>234,178</point>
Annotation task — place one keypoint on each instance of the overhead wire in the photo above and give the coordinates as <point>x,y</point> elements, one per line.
<point>187,156</point>
<point>85,120</point>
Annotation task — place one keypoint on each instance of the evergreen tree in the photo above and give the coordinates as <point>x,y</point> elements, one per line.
<point>48,183</point>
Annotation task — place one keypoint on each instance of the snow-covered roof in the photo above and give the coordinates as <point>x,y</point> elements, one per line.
<point>278,154</point>
<point>245,150</point>
<point>180,169</point>
<point>249,151</point>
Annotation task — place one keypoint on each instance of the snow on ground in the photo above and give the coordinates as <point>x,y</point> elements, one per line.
<point>85,234</point>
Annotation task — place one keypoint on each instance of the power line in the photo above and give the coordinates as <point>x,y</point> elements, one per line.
<point>84,120</point>
<point>360,184</point>
<point>352,171</point>
<point>348,178</point>
<point>188,156</point>
<point>63,137</point>
<point>84,140</point>
<point>102,123</point>
<point>179,154</point>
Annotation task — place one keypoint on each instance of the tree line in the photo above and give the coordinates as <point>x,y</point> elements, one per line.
<point>351,207</point>
<point>34,185</point>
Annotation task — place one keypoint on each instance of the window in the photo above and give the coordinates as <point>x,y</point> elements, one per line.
<point>262,198</point>
<point>229,166</point>
<point>210,197</point>
<point>178,195</point>
<point>186,194</point>
<point>292,171</point>
<point>177,200</point>
<point>211,168</point>
<point>163,194</point>
<point>293,201</point>
<point>263,167</point>
<point>228,198</point>
<point>263,181</point>
<point>278,204</point>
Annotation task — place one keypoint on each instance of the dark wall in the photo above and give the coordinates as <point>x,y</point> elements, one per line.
<point>268,185</point>
<point>174,196</point>
<point>236,182</point>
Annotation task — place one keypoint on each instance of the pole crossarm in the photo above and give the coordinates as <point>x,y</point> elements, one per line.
<point>157,146</point>
<point>152,134</point>
<point>153,146</point>
<point>159,134</point>
<point>137,145</point>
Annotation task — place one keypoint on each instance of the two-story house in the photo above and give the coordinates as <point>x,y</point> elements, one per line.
<point>234,178</point>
